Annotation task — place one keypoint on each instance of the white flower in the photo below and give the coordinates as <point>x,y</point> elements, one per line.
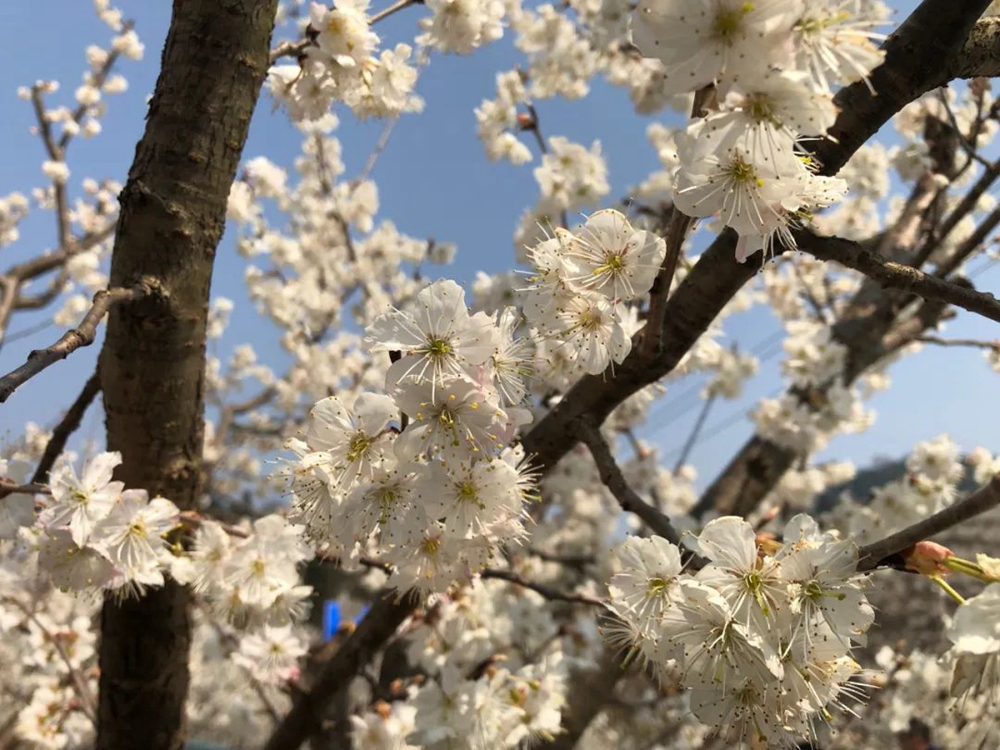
<point>354,439</point>
<point>738,181</point>
<point>272,655</point>
<point>131,537</point>
<point>590,331</point>
<point>975,628</point>
<point>79,503</point>
<point>751,584</point>
<point>71,567</point>
<point>471,498</point>
<point>822,573</point>
<point>835,41</point>
<point>512,359</point>
<point>647,582</point>
<point>706,41</point>
<point>462,25</point>
<point>455,418</point>
<point>440,336</point>
<point>607,255</point>
<point>343,31</point>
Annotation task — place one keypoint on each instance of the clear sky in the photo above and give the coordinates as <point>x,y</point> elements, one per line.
<point>434,181</point>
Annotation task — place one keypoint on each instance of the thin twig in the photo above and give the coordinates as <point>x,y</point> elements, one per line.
<point>8,488</point>
<point>613,478</point>
<point>546,591</point>
<point>974,343</point>
<point>693,437</point>
<point>83,335</point>
<point>67,425</point>
<point>383,141</point>
<point>987,497</point>
<point>388,611</point>
<point>395,8</point>
<point>677,231</point>
<point>87,701</point>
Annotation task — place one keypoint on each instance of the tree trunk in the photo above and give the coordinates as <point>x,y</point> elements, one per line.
<point>153,362</point>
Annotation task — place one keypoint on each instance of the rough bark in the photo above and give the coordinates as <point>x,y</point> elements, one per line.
<point>153,362</point>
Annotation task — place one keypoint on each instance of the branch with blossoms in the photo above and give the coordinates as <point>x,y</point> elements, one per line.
<point>987,497</point>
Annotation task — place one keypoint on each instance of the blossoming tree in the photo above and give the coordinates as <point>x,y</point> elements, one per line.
<point>459,466</point>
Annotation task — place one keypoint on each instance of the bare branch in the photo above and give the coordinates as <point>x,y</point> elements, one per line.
<point>973,343</point>
<point>548,592</point>
<point>897,276</point>
<point>987,497</point>
<point>83,335</point>
<point>613,478</point>
<point>69,423</point>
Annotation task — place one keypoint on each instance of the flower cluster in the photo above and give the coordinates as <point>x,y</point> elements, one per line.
<point>582,282</point>
<point>92,533</point>
<point>768,68</point>
<point>443,488</point>
<point>248,577</point>
<point>483,692</point>
<point>761,635</point>
<point>341,64</point>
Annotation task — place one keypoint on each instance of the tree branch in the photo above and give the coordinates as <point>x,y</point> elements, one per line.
<point>897,276</point>
<point>615,481</point>
<point>546,591</point>
<point>69,423</point>
<point>973,343</point>
<point>980,56</point>
<point>987,497</point>
<point>75,338</point>
<point>379,625</point>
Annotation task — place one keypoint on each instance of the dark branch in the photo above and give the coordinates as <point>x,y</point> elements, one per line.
<point>75,338</point>
<point>897,276</point>
<point>69,423</point>
<point>386,614</point>
<point>546,591</point>
<point>613,478</point>
<point>987,497</point>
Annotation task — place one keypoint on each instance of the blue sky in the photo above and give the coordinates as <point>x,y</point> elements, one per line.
<point>434,181</point>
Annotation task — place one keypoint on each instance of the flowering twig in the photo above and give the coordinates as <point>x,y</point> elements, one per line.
<point>546,591</point>
<point>297,49</point>
<point>69,423</point>
<point>987,497</point>
<point>82,335</point>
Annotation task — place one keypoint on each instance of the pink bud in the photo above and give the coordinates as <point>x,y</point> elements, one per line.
<point>927,558</point>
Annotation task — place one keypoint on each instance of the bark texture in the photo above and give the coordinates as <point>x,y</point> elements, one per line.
<point>153,362</point>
